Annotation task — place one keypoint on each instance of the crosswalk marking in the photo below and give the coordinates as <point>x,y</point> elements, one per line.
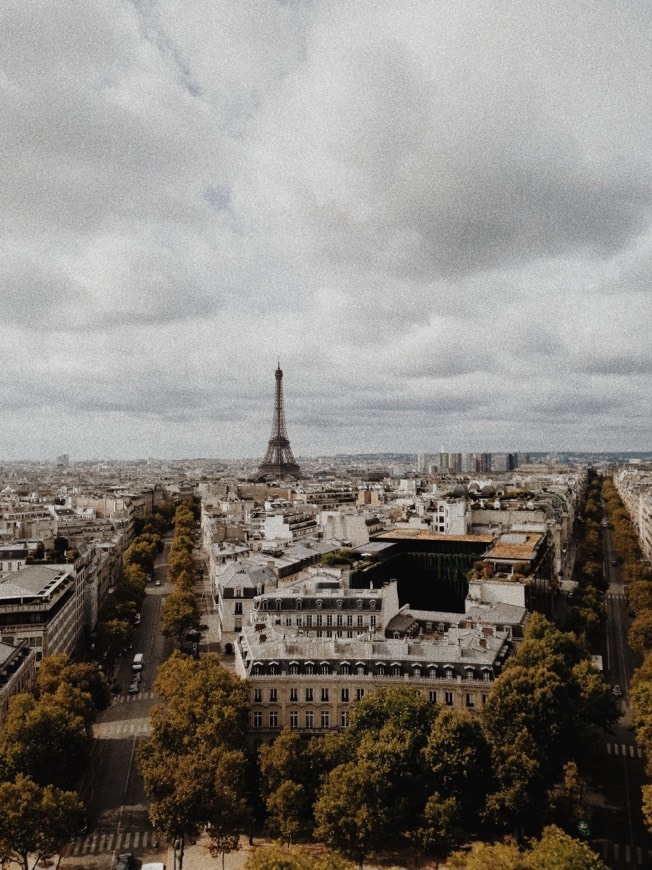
<point>123,728</point>
<point>625,750</point>
<point>137,696</point>
<point>101,843</point>
<point>631,856</point>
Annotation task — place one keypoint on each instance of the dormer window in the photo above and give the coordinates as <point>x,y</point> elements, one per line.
<point>372,604</point>
<point>359,604</point>
<point>238,592</point>
<point>339,604</point>
<point>319,604</point>
<point>279,603</point>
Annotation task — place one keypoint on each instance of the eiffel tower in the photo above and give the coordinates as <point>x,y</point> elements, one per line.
<point>278,462</point>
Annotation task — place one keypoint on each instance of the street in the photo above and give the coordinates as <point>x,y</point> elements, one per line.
<point>112,789</point>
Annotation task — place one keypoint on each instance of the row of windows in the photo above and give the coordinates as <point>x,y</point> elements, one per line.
<point>361,670</point>
<point>345,696</point>
<point>325,715</point>
<point>278,604</point>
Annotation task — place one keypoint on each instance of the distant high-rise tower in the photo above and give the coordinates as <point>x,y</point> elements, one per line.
<point>279,461</point>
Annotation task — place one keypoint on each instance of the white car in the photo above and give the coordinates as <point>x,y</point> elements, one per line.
<point>158,583</point>
<point>617,691</point>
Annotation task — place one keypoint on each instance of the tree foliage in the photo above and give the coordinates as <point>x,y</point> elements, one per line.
<point>35,820</point>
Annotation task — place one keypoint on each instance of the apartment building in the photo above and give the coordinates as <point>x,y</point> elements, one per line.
<point>42,606</point>
<point>309,682</point>
<point>17,673</point>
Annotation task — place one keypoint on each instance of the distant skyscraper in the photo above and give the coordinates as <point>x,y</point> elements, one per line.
<point>279,461</point>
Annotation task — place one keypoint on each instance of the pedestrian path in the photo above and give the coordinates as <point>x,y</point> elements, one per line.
<point>617,855</point>
<point>106,841</point>
<point>626,750</point>
<point>124,728</point>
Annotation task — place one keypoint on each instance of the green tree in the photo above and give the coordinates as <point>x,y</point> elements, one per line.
<point>640,633</point>
<point>459,760</point>
<point>557,851</point>
<point>352,813</point>
<point>440,829</point>
<point>35,821</point>
<point>111,638</point>
<point>289,812</point>
<point>44,740</point>
<point>297,858</point>
<point>85,676</point>
<point>179,613</point>
<point>229,812</point>
<point>647,805</point>
<point>497,856</point>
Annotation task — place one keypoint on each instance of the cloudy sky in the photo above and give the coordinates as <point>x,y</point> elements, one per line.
<point>436,214</point>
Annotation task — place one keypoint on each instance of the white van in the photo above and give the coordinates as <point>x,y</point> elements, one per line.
<point>155,866</point>
<point>138,662</point>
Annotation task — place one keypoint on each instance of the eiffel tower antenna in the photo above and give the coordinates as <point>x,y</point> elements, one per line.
<point>278,463</point>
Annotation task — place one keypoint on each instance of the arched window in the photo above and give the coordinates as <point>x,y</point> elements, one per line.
<point>359,604</point>
<point>299,604</point>
<point>319,604</point>
<point>264,605</point>
<point>279,603</point>
<point>372,604</point>
<point>339,604</point>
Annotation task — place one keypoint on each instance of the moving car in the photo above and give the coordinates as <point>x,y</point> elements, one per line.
<point>137,619</point>
<point>125,861</point>
<point>158,582</point>
<point>134,687</point>
<point>139,661</point>
<point>617,691</point>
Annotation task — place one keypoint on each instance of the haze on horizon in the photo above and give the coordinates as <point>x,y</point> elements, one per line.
<point>438,215</point>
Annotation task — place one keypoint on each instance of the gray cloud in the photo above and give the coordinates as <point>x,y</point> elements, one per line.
<point>437,215</point>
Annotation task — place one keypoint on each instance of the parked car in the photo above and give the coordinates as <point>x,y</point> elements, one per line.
<point>125,861</point>
<point>137,619</point>
<point>134,687</point>
<point>158,582</point>
<point>617,691</point>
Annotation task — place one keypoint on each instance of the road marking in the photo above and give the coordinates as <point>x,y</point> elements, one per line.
<point>628,854</point>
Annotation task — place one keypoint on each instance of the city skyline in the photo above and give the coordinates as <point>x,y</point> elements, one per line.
<point>438,217</point>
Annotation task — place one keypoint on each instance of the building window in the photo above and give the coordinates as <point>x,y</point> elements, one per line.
<point>396,670</point>
<point>349,619</point>
<point>372,620</point>
<point>238,593</point>
<point>349,634</point>
<point>273,719</point>
<point>237,623</point>
<point>344,718</point>
<point>294,719</point>
<point>380,670</point>
<point>325,719</point>
<point>318,604</point>
<point>299,621</point>
<point>432,672</point>
<point>294,694</point>
<point>310,718</point>
<point>338,620</point>
<point>299,604</point>
<point>345,695</point>
<point>324,694</point>
<point>449,699</point>
<point>345,669</point>
<point>470,701</point>
<point>293,668</point>
<point>329,619</point>
<point>309,621</point>
<point>310,668</point>
<point>359,694</point>
<point>339,604</point>
<point>238,608</point>
<point>273,695</point>
<point>258,696</point>
<point>432,696</point>
<point>360,670</point>
<point>486,676</point>
<point>360,620</point>
<point>288,620</point>
<point>279,604</point>
<point>358,604</point>
<point>484,699</point>
<point>320,620</point>
<point>264,605</point>
<point>274,669</point>
<point>308,694</point>
<point>325,669</point>
<point>258,719</point>
<point>319,632</point>
<point>372,604</point>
